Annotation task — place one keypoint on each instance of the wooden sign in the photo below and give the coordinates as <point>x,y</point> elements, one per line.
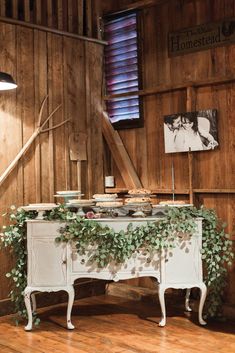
<point>201,37</point>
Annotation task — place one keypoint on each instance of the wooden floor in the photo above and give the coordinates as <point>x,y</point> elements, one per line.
<point>113,324</point>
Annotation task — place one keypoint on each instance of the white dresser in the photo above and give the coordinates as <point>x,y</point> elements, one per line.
<point>53,267</point>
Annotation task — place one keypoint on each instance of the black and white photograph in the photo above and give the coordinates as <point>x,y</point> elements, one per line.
<point>191,131</point>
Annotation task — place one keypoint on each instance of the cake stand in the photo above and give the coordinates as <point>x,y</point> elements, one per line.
<point>40,208</point>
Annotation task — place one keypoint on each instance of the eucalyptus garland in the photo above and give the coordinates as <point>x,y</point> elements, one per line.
<point>117,247</point>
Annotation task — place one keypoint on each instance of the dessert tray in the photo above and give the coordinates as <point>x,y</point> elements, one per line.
<point>69,192</point>
<point>174,205</point>
<point>40,208</point>
<point>68,195</point>
<point>80,202</point>
<point>103,199</point>
<point>137,204</point>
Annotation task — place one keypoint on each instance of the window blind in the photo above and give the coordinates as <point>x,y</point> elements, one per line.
<point>121,69</point>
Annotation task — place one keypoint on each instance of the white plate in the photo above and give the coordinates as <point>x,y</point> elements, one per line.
<point>80,202</point>
<point>69,192</point>
<point>181,205</point>
<point>42,204</point>
<point>38,207</point>
<point>105,199</point>
<point>110,206</point>
<point>79,205</point>
<point>137,204</point>
<point>139,195</point>
<point>69,195</point>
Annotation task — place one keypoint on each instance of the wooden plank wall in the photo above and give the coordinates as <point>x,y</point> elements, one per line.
<point>68,70</point>
<point>213,172</point>
<point>65,15</point>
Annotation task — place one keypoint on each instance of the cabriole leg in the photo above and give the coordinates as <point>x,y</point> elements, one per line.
<point>201,303</point>
<point>161,295</point>
<point>34,305</point>
<point>70,291</point>
<point>187,306</point>
<point>27,293</point>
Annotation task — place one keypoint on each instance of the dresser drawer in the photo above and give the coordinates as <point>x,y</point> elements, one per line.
<point>44,228</point>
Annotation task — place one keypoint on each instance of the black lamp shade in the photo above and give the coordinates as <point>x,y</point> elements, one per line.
<point>6,82</point>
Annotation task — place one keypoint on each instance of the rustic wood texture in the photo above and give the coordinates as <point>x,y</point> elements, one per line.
<point>165,84</point>
<point>46,63</point>
<point>196,81</point>
<point>94,59</point>
<point>117,325</point>
<point>126,169</point>
<point>66,15</point>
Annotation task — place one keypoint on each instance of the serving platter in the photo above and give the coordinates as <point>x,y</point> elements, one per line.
<point>176,205</point>
<point>139,195</point>
<point>137,204</point>
<point>68,192</point>
<point>40,208</point>
<point>79,205</point>
<point>106,199</point>
<point>81,201</point>
<point>110,207</point>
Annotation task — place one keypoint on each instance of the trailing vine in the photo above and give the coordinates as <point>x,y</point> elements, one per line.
<point>117,247</point>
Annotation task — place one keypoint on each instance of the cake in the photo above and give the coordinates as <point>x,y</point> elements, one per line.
<point>137,200</point>
<point>139,191</point>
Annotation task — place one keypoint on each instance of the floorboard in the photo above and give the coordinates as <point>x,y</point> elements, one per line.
<point>111,324</point>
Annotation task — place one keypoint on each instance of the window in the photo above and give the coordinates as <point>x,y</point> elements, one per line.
<point>122,70</point>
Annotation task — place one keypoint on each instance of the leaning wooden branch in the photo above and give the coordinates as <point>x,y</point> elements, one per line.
<point>32,138</point>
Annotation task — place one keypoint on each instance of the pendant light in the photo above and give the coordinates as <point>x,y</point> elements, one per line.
<point>6,82</point>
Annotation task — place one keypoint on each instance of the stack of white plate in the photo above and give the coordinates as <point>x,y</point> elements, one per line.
<point>69,194</point>
<point>80,202</point>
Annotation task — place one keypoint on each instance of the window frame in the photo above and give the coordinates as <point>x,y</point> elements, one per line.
<point>128,123</point>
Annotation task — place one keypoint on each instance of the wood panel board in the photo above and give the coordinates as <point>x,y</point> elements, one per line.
<point>25,93</point>
<point>10,137</point>
<point>55,89</point>
<point>94,57</point>
<point>75,97</point>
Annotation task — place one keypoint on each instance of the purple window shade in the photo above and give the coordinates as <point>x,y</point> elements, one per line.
<point>121,67</point>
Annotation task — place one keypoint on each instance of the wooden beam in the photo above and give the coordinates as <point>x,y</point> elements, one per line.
<point>80,17</point>
<point>49,13</point>
<point>169,88</point>
<point>120,154</point>
<point>15,9</point>
<point>3,7</point>
<point>50,30</point>
<point>88,8</point>
<point>141,4</point>
<point>26,10</point>
<point>190,106</point>
<point>169,191</point>
<point>60,14</point>
<point>38,12</point>
<point>214,191</point>
<point>153,191</point>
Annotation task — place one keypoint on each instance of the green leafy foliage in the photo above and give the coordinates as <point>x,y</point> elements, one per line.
<point>116,247</point>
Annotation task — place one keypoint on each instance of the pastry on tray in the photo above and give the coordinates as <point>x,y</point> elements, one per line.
<point>137,200</point>
<point>139,191</point>
<point>109,204</point>
<point>105,196</point>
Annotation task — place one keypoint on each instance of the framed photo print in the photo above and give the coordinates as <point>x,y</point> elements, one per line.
<point>191,131</point>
